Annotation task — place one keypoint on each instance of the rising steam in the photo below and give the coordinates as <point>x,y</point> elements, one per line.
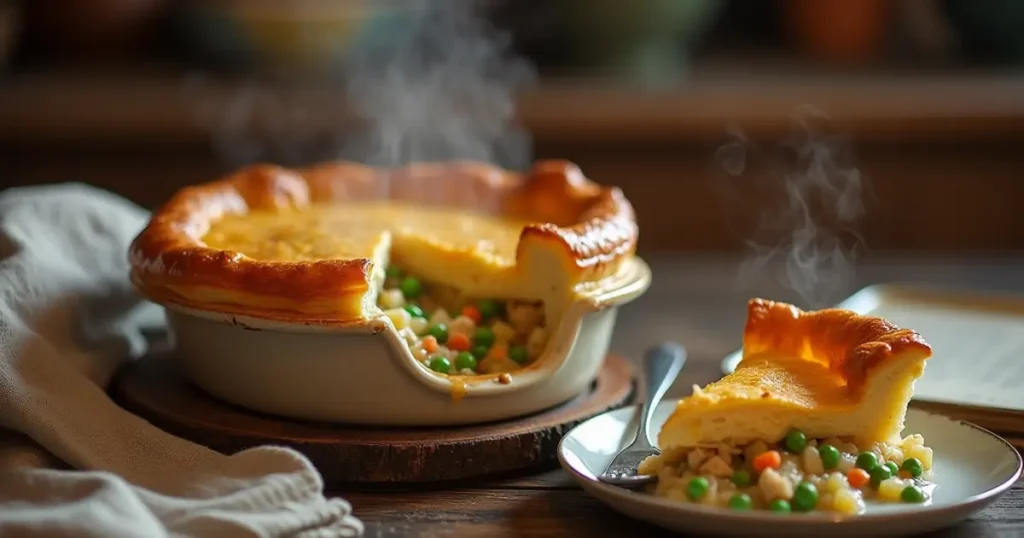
<point>426,81</point>
<point>805,200</point>
<point>440,86</point>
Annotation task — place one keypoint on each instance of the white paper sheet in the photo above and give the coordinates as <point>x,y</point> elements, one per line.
<point>978,353</point>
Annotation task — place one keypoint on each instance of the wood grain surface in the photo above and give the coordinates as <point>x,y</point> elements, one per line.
<point>154,389</point>
<point>698,301</point>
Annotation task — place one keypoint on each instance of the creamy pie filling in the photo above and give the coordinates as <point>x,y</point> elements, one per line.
<point>795,475</point>
<point>451,333</point>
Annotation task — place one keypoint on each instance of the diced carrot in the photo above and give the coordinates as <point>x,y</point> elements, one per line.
<point>458,342</point>
<point>768,459</point>
<point>472,313</point>
<point>429,343</point>
<point>499,351</point>
<point>857,477</point>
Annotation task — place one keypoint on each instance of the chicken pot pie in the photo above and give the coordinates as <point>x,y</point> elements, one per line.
<point>473,265</point>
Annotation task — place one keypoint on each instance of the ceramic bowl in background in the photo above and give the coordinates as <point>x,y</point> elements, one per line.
<point>991,32</point>
<point>643,41</point>
<point>300,36</point>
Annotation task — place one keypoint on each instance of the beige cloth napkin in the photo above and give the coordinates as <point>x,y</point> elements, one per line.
<point>68,317</point>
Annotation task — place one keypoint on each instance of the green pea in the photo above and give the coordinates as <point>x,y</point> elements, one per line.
<point>479,352</point>
<point>411,287</point>
<point>893,468</point>
<point>781,506</point>
<point>913,466</point>
<point>805,497</point>
<point>465,360</point>
<point>741,477</point>
<point>878,474</point>
<point>518,354</point>
<point>912,494</point>
<point>415,311</point>
<point>489,308</point>
<point>393,271</point>
<point>829,456</point>
<point>483,336</point>
<point>440,364</point>
<point>795,441</point>
<point>697,487</point>
<point>741,501</point>
<point>867,461</point>
<point>439,331</point>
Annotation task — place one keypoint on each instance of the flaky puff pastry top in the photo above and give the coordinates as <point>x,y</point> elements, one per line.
<point>831,354</point>
<point>827,373</point>
<point>470,225</point>
<point>850,345</point>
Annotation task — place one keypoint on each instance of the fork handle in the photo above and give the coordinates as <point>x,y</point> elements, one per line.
<point>662,364</point>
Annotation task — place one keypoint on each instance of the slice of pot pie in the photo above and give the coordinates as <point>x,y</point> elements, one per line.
<point>827,373</point>
<point>472,264</point>
<point>811,418</point>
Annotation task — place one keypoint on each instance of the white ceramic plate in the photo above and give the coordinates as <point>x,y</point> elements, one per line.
<point>972,468</point>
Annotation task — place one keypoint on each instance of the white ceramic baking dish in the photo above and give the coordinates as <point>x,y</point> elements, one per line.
<point>366,375</point>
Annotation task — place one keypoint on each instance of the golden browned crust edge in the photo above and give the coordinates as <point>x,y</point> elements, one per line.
<point>849,344</point>
<point>592,227</point>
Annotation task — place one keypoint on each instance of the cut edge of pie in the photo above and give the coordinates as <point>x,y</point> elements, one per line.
<point>578,235</point>
<point>828,373</point>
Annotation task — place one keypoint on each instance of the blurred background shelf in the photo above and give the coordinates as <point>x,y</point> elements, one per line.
<point>163,105</point>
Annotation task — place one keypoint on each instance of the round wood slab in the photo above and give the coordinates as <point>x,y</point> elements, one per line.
<point>352,456</point>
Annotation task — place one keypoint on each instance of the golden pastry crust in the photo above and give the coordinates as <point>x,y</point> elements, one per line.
<point>590,228</point>
<point>828,373</point>
<point>849,344</point>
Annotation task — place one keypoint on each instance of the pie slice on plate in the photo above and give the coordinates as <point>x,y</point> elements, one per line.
<point>828,373</point>
<point>811,418</point>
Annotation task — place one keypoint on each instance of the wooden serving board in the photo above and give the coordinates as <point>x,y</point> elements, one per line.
<point>351,456</point>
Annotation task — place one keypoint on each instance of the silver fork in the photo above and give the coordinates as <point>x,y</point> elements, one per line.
<point>662,364</point>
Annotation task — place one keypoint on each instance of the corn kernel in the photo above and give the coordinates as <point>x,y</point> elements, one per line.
<point>392,299</point>
<point>846,502</point>
<point>503,332</point>
<point>912,440</point>
<point>890,489</point>
<point>440,316</point>
<point>399,317</point>
<point>922,453</point>
<point>462,325</point>
<point>836,482</point>
<point>419,326</point>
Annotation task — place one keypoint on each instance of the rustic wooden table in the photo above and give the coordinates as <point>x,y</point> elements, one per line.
<point>698,302</point>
